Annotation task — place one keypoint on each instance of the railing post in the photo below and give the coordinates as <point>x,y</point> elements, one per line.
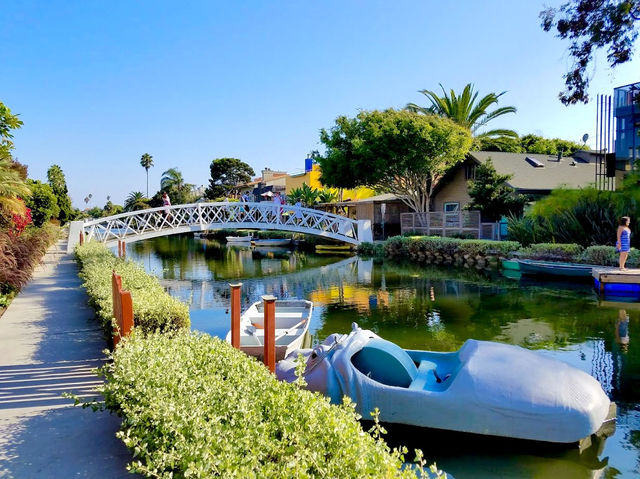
<point>81,237</point>
<point>270,332</point>
<point>235,314</point>
<point>122,309</point>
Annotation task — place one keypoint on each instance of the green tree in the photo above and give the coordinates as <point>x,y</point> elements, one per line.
<point>468,111</point>
<point>43,202</point>
<point>402,152</point>
<point>8,122</point>
<point>111,209</point>
<point>12,173</point>
<point>173,183</point>
<point>491,194</point>
<point>136,201</point>
<point>146,161</point>
<point>226,175</point>
<point>12,188</point>
<point>590,25</point>
<point>58,183</point>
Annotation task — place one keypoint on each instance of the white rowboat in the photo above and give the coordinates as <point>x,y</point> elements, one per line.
<point>239,239</point>
<point>292,323</point>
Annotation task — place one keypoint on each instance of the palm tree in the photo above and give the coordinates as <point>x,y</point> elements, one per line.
<point>146,161</point>
<point>12,187</point>
<point>172,180</point>
<point>466,110</point>
<point>136,201</point>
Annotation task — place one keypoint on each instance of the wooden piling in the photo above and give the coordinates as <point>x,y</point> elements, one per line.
<point>270,332</point>
<point>235,314</point>
<point>122,309</point>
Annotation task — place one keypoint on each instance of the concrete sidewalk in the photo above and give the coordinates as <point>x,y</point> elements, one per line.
<point>49,344</point>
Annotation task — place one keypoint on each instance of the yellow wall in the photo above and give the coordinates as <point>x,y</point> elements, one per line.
<point>455,191</point>
<point>312,178</point>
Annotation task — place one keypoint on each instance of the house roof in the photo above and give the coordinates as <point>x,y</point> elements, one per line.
<point>531,171</point>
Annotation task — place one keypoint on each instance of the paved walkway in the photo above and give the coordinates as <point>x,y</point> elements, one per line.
<point>49,344</point>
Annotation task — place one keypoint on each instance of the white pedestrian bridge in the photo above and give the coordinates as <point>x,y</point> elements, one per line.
<point>149,223</point>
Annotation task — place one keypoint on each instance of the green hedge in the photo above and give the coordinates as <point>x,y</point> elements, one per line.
<point>192,406</point>
<point>552,251</point>
<point>608,256</point>
<point>418,247</point>
<point>153,308</point>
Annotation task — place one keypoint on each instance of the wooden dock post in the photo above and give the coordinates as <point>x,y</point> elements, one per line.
<point>270,332</point>
<point>235,314</point>
<point>122,309</point>
<point>81,237</point>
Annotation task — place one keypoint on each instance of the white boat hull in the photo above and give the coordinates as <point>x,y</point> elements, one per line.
<point>239,239</point>
<point>292,324</point>
<point>485,388</point>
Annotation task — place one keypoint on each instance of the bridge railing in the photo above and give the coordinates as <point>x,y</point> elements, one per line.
<point>137,225</point>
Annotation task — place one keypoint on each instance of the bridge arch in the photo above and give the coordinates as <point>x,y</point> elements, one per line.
<point>163,221</point>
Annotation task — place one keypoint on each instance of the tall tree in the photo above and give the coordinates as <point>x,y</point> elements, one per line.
<point>398,151</point>
<point>135,201</point>
<point>58,183</point>
<point>226,175</point>
<point>43,202</point>
<point>468,111</point>
<point>146,161</point>
<point>590,25</point>
<point>173,183</point>
<point>491,194</point>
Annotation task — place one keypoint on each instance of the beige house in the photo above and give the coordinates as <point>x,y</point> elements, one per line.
<point>532,174</point>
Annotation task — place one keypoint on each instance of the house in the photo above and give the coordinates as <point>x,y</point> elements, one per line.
<point>383,210</point>
<point>531,174</point>
<point>270,181</point>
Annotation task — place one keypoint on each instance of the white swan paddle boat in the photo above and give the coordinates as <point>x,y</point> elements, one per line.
<point>483,388</point>
<point>292,323</point>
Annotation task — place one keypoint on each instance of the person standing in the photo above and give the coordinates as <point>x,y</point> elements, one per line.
<point>623,244</point>
<point>166,202</point>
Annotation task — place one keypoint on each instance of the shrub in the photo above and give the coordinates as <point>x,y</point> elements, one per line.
<point>153,308</point>
<point>552,251</point>
<point>487,247</point>
<point>371,249</point>
<point>608,256</point>
<point>192,406</point>
<point>19,255</point>
<point>396,247</point>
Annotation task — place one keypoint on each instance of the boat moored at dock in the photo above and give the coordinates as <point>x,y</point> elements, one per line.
<point>483,388</point>
<point>292,319</point>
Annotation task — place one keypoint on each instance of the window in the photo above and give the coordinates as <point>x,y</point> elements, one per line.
<point>451,207</point>
<point>470,172</point>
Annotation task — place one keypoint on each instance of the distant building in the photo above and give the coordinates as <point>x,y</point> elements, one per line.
<point>626,110</point>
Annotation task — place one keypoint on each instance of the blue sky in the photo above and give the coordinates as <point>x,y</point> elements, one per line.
<point>98,83</point>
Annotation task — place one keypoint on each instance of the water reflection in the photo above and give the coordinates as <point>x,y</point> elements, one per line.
<point>436,309</point>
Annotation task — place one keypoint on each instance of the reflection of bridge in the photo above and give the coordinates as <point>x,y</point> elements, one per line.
<point>163,221</point>
<point>210,292</point>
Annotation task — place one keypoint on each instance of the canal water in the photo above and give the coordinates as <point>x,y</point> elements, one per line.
<point>435,308</point>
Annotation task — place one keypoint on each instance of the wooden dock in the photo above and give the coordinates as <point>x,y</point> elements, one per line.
<point>613,281</point>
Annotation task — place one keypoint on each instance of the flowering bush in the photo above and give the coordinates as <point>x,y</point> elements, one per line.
<point>20,222</point>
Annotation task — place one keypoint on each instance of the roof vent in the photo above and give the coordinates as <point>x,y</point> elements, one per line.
<point>533,162</point>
